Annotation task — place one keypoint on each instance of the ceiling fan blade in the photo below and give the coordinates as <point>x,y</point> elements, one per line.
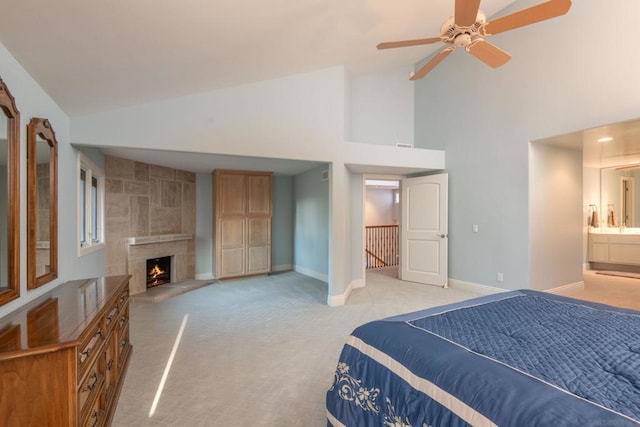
<point>543,11</point>
<point>466,12</point>
<point>432,64</point>
<point>488,53</point>
<point>405,43</point>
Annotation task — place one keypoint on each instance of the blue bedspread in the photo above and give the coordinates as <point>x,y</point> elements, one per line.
<point>513,359</point>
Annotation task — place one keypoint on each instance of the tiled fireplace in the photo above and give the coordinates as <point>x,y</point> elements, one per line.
<point>150,213</point>
<point>142,249</point>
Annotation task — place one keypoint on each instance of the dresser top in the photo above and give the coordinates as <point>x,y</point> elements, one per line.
<point>57,318</point>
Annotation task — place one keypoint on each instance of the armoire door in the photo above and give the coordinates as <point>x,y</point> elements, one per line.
<point>242,223</point>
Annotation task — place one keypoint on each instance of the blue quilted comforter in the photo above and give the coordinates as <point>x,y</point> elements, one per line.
<point>513,359</point>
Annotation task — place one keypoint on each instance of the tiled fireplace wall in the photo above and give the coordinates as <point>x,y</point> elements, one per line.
<point>144,200</point>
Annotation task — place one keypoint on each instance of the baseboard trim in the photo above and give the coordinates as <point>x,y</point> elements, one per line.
<point>311,273</point>
<point>577,286</point>
<point>205,276</point>
<point>339,300</point>
<point>359,283</point>
<point>281,267</point>
<point>475,287</point>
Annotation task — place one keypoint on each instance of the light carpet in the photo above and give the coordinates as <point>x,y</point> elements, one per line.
<point>260,351</point>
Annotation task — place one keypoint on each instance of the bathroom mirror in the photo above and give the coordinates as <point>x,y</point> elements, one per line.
<point>42,203</point>
<point>9,197</point>
<point>620,196</point>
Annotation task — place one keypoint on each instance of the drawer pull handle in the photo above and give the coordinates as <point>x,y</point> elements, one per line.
<point>85,354</point>
<point>94,417</point>
<point>92,384</point>
<point>110,365</point>
<point>110,316</point>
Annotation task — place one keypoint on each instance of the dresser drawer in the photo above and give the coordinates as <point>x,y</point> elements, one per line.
<point>90,388</point>
<point>89,348</point>
<point>111,316</point>
<point>123,299</point>
<point>95,416</point>
<point>110,361</point>
<point>124,347</point>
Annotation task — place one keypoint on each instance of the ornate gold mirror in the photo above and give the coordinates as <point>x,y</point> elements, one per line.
<point>9,198</point>
<point>42,203</point>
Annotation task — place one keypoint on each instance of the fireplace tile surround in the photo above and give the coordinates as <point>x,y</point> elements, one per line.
<point>150,212</point>
<point>140,249</point>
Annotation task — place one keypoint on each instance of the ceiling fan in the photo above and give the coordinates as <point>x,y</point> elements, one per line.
<point>468,27</point>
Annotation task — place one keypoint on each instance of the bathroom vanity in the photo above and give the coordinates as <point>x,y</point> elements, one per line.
<point>614,246</point>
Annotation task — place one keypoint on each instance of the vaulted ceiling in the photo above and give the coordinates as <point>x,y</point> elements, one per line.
<point>99,55</point>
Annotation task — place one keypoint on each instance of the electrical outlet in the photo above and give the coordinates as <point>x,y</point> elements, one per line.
<point>500,277</point>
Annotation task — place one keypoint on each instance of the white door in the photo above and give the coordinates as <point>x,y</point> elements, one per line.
<point>423,232</point>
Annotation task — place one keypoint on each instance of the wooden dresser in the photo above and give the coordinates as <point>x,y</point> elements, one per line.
<point>63,356</point>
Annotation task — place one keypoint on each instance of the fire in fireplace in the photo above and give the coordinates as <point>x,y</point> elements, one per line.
<point>158,271</point>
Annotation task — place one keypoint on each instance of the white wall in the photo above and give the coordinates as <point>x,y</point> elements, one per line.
<point>590,196</point>
<point>204,226</point>
<point>282,224</point>
<point>311,223</point>
<point>356,213</point>
<point>555,206</point>
<point>381,109</point>
<point>33,101</point>
<point>380,208</point>
<point>557,82</point>
<point>298,117</point>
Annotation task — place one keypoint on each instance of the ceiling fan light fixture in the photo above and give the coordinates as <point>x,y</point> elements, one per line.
<point>461,30</point>
<point>462,40</point>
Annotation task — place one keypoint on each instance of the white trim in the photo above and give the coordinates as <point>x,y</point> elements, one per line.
<point>93,171</point>
<point>338,300</point>
<point>449,401</point>
<point>160,238</point>
<point>577,286</point>
<point>358,283</point>
<point>475,287</point>
<point>333,420</point>
<point>308,272</point>
<point>281,267</point>
<point>205,276</point>
<point>85,250</point>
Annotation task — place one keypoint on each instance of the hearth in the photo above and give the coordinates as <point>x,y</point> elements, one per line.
<point>158,271</point>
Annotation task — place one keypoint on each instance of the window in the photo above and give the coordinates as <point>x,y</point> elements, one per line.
<point>90,206</point>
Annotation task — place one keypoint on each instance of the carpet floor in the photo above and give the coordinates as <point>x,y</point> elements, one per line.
<point>260,351</point>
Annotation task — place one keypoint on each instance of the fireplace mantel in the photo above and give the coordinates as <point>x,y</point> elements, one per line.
<point>142,248</point>
<point>146,240</point>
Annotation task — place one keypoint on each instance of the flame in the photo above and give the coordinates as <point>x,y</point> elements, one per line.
<point>156,271</point>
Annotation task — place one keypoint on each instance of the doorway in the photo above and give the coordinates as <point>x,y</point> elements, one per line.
<point>381,219</point>
<point>412,220</point>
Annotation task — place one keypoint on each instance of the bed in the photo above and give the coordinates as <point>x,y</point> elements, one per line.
<point>517,358</point>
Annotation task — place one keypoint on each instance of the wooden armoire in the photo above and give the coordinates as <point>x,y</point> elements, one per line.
<point>242,223</point>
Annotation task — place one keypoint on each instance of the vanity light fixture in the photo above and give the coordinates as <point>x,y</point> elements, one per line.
<point>605,139</point>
